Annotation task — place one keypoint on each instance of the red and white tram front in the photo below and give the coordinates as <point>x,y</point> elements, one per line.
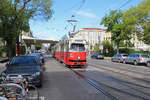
<point>76,53</point>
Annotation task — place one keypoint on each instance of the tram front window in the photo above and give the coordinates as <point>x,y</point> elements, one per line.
<point>77,47</point>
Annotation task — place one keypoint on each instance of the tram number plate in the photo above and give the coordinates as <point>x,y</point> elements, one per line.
<point>78,63</point>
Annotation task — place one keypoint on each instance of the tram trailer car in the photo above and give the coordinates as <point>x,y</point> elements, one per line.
<point>71,52</point>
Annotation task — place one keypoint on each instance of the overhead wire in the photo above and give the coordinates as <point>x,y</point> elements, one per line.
<point>78,4</point>
<point>127,2</point>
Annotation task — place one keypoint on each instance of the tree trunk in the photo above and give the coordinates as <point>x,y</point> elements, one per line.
<point>117,47</point>
<point>10,47</point>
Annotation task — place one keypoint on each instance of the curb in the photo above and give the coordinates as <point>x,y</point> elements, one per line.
<point>107,58</point>
<point>4,60</point>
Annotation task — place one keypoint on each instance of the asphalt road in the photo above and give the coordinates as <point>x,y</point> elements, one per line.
<point>100,80</point>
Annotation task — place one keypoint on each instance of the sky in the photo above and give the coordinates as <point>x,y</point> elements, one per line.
<point>86,13</point>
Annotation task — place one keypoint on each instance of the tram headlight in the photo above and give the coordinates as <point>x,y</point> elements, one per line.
<point>78,57</point>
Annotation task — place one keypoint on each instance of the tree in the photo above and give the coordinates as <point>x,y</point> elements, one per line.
<point>38,46</point>
<point>138,18</point>
<point>15,16</point>
<point>96,48</point>
<point>107,48</point>
<point>114,24</point>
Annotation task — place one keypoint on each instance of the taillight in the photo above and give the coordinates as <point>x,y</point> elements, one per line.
<point>140,59</point>
<point>122,58</point>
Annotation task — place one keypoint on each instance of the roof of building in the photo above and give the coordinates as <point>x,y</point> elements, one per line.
<point>100,29</point>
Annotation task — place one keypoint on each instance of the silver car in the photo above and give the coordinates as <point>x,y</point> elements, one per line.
<point>119,57</point>
<point>136,58</point>
<point>148,62</point>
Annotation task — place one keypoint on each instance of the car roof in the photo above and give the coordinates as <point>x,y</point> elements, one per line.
<point>23,56</point>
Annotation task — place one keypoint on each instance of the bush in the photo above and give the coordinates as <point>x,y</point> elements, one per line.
<point>108,49</point>
<point>38,46</point>
<point>23,50</point>
<point>130,51</point>
<point>3,49</point>
<point>96,48</point>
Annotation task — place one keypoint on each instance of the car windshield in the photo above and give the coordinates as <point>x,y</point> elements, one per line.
<point>77,47</point>
<point>23,61</point>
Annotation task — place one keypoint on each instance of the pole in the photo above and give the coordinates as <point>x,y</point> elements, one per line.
<point>17,48</point>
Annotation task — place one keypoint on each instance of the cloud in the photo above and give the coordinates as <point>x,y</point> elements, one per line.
<point>88,14</point>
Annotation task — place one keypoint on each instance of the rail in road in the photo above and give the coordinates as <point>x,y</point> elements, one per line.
<point>134,74</point>
<point>130,90</point>
<point>95,84</point>
<point>125,67</point>
<point>100,86</point>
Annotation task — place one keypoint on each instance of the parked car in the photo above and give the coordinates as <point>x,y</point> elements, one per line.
<point>27,66</point>
<point>97,55</point>
<point>119,57</point>
<point>39,60</point>
<point>40,55</point>
<point>37,57</point>
<point>136,58</point>
<point>148,62</point>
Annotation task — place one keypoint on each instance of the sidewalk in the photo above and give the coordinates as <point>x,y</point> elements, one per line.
<point>107,58</point>
<point>2,65</point>
<point>3,60</point>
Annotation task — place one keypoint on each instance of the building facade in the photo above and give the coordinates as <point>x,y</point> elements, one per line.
<point>139,45</point>
<point>92,36</point>
<point>97,36</point>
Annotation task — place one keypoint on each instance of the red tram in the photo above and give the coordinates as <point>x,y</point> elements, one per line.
<point>70,51</point>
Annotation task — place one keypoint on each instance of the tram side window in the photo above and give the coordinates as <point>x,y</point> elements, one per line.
<point>77,47</point>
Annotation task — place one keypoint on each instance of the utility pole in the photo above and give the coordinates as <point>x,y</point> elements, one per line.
<point>18,45</point>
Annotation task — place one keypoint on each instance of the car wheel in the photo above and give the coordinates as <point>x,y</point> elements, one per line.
<point>135,62</point>
<point>148,64</point>
<point>40,84</point>
<point>119,61</point>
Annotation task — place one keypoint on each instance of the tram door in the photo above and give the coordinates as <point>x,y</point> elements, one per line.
<point>67,51</point>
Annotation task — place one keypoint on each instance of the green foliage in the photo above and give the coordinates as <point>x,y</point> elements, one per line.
<point>96,48</point>
<point>3,49</point>
<point>131,51</point>
<point>15,16</point>
<point>108,49</point>
<point>115,24</point>
<point>138,20</point>
<point>122,44</point>
<point>23,50</point>
<point>38,46</point>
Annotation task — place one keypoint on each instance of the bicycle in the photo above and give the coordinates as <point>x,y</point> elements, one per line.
<point>3,98</point>
<point>18,89</point>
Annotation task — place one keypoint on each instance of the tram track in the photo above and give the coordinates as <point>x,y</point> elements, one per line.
<point>123,68</point>
<point>124,72</point>
<point>107,90</point>
<point>112,78</point>
<point>99,86</point>
<point>131,85</point>
<point>95,85</point>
